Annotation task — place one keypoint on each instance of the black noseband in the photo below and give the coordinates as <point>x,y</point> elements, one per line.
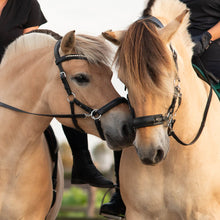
<point>159,119</point>
<point>147,121</point>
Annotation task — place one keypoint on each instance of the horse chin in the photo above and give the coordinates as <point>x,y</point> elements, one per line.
<point>114,147</point>
<point>119,143</point>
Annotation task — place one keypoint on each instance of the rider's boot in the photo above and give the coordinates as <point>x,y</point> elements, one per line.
<point>115,209</point>
<point>83,171</point>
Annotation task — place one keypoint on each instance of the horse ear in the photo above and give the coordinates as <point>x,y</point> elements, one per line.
<point>114,36</point>
<point>170,29</point>
<point>68,42</point>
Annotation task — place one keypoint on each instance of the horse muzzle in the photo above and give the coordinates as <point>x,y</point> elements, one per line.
<point>153,146</point>
<point>152,156</point>
<point>118,130</point>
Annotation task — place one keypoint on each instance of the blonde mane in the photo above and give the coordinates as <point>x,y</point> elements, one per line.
<point>94,48</point>
<point>26,43</point>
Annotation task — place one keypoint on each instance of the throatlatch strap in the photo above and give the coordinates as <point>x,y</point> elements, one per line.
<point>99,128</point>
<point>73,117</point>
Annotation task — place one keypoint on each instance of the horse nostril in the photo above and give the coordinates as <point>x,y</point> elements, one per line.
<point>159,156</point>
<point>127,130</point>
<point>151,157</point>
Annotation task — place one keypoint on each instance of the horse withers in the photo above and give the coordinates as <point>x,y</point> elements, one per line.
<point>172,108</point>
<point>30,86</point>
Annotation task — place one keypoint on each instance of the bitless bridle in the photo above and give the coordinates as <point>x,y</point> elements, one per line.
<point>168,118</point>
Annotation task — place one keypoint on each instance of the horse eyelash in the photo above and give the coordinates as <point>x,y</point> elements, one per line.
<point>80,78</point>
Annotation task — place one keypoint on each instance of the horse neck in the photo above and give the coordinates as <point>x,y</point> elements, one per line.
<point>195,94</point>
<point>23,83</point>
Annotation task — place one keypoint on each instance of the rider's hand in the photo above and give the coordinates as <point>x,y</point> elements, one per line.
<point>202,43</point>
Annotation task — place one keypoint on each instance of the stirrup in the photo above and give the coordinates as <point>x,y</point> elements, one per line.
<point>108,216</point>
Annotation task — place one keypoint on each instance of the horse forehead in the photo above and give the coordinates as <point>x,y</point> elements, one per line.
<point>100,69</point>
<point>76,66</point>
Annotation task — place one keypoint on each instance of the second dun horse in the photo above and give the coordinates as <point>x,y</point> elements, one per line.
<point>31,94</point>
<point>172,108</point>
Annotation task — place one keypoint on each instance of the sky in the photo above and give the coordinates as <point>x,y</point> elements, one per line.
<point>89,17</point>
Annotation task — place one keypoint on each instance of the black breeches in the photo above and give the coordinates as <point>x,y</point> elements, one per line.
<point>211,58</point>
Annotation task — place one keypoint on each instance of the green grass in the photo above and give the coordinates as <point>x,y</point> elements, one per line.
<point>77,199</point>
<point>75,196</point>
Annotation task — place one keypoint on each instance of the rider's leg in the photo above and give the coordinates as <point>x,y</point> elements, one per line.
<point>116,205</point>
<point>84,171</point>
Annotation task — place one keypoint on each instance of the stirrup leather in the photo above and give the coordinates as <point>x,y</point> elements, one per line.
<point>109,216</point>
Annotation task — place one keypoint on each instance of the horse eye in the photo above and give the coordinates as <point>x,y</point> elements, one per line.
<point>81,79</point>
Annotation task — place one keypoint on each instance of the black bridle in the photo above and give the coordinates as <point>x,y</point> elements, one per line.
<point>168,118</point>
<point>94,114</point>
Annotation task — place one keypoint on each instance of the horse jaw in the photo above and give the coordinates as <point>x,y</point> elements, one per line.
<point>152,145</point>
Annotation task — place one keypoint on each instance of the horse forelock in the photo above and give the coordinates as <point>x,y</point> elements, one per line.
<point>143,57</point>
<point>95,49</point>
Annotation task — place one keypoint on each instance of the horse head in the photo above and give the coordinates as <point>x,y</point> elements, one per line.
<point>147,66</point>
<point>84,60</point>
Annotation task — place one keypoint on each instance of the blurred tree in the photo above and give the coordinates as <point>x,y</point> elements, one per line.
<point>103,157</point>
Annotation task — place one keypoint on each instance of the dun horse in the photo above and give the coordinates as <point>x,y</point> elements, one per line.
<point>155,65</point>
<point>30,84</point>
